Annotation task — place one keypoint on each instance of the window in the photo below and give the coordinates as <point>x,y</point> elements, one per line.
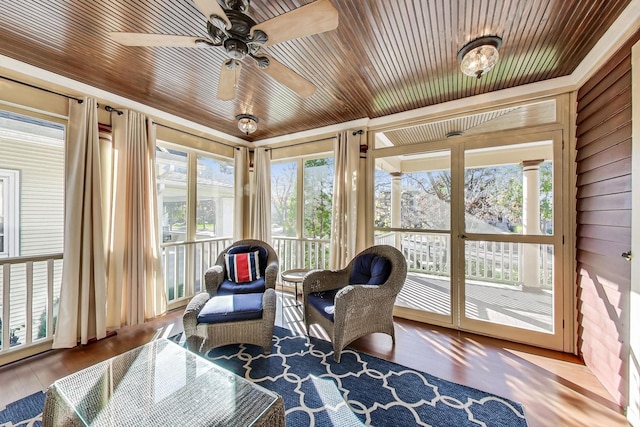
<point>215,195</point>
<point>171,181</point>
<point>284,189</point>
<point>301,214</point>
<point>31,225</point>
<point>318,197</point>
<point>196,211</point>
<point>31,185</point>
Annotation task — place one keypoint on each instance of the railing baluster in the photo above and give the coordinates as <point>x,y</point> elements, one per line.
<point>49,329</point>
<point>29,308</point>
<point>6,305</point>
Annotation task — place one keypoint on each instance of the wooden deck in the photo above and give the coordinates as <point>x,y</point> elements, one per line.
<point>504,304</point>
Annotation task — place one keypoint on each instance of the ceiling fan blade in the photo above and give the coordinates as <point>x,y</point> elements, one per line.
<point>142,39</point>
<point>211,7</point>
<point>313,18</point>
<point>229,80</point>
<point>289,78</point>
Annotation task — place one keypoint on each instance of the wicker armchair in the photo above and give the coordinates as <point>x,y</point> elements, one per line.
<point>353,302</point>
<point>215,278</point>
<point>201,336</point>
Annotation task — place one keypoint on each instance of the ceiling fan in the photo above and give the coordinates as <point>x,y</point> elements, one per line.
<point>229,26</point>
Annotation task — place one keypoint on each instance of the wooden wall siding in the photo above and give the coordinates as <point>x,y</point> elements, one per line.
<point>604,220</point>
<point>385,57</point>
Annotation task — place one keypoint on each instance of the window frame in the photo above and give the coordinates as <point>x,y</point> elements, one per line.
<point>10,205</point>
<point>300,161</point>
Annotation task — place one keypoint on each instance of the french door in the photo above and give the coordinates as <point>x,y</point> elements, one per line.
<point>509,238</point>
<point>479,221</point>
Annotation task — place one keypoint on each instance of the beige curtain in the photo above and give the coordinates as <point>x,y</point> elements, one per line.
<point>241,178</point>
<point>344,221</point>
<point>135,290</point>
<point>261,195</point>
<point>81,313</point>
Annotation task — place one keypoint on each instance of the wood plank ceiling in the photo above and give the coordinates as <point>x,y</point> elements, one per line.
<point>385,56</point>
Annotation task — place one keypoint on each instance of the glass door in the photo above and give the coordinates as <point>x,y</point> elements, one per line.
<point>509,239</point>
<point>412,197</point>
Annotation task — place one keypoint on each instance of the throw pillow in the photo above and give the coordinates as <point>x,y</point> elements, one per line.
<point>242,268</point>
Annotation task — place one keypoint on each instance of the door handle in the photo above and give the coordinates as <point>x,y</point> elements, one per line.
<point>463,236</point>
<point>627,255</point>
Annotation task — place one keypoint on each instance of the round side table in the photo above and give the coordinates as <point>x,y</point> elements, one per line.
<point>294,276</point>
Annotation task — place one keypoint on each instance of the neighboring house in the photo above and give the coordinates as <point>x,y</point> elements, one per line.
<point>32,207</point>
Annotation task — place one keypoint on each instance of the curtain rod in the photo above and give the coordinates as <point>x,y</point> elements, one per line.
<point>80,101</point>
<point>357,132</point>
<point>302,143</point>
<point>197,136</point>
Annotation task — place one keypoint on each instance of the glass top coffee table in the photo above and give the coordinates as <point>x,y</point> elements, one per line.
<point>159,383</point>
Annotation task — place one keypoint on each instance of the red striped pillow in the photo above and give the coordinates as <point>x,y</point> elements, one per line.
<point>242,268</point>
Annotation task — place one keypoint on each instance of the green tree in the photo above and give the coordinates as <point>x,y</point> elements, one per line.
<point>318,197</point>
<point>206,214</point>
<point>284,201</point>
<point>382,192</point>
<point>492,197</point>
<point>176,213</point>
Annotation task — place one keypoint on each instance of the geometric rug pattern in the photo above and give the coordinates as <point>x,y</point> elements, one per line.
<point>317,391</point>
<point>361,389</point>
<point>26,412</point>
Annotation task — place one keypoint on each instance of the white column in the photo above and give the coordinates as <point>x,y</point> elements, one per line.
<point>396,197</point>
<point>531,222</point>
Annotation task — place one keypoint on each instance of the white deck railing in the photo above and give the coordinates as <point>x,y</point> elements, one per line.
<point>495,262</point>
<point>30,288</point>
<point>301,253</point>
<point>184,266</point>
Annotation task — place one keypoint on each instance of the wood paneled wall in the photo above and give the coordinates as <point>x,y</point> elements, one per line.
<point>604,220</point>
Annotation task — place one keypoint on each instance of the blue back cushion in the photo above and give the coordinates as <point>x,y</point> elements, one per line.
<point>262,254</point>
<point>227,287</point>
<point>370,269</point>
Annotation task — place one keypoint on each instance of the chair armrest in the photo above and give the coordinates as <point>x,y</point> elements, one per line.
<point>324,280</point>
<point>365,298</point>
<point>190,316</point>
<point>271,274</point>
<point>269,301</point>
<point>213,277</point>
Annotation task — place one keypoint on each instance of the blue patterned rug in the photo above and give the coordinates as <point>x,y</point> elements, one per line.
<point>25,412</point>
<point>361,389</point>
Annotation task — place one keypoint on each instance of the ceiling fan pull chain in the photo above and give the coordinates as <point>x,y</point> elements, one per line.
<point>235,77</point>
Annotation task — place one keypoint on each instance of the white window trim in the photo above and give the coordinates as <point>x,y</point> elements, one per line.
<point>11,212</point>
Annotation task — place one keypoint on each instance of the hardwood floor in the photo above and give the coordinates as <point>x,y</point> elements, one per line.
<point>556,389</point>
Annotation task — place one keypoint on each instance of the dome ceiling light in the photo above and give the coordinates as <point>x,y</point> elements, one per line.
<point>479,56</point>
<point>247,123</point>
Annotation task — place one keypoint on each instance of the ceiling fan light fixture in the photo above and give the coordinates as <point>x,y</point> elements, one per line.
<point>479,56</point>
<point>236,49</point>
<point>247,123</point>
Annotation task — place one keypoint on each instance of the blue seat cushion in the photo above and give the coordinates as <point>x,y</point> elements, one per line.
<point>228,287</point>
<point>370,269</point>
<point>324,302</point>
<point>231,308</point>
